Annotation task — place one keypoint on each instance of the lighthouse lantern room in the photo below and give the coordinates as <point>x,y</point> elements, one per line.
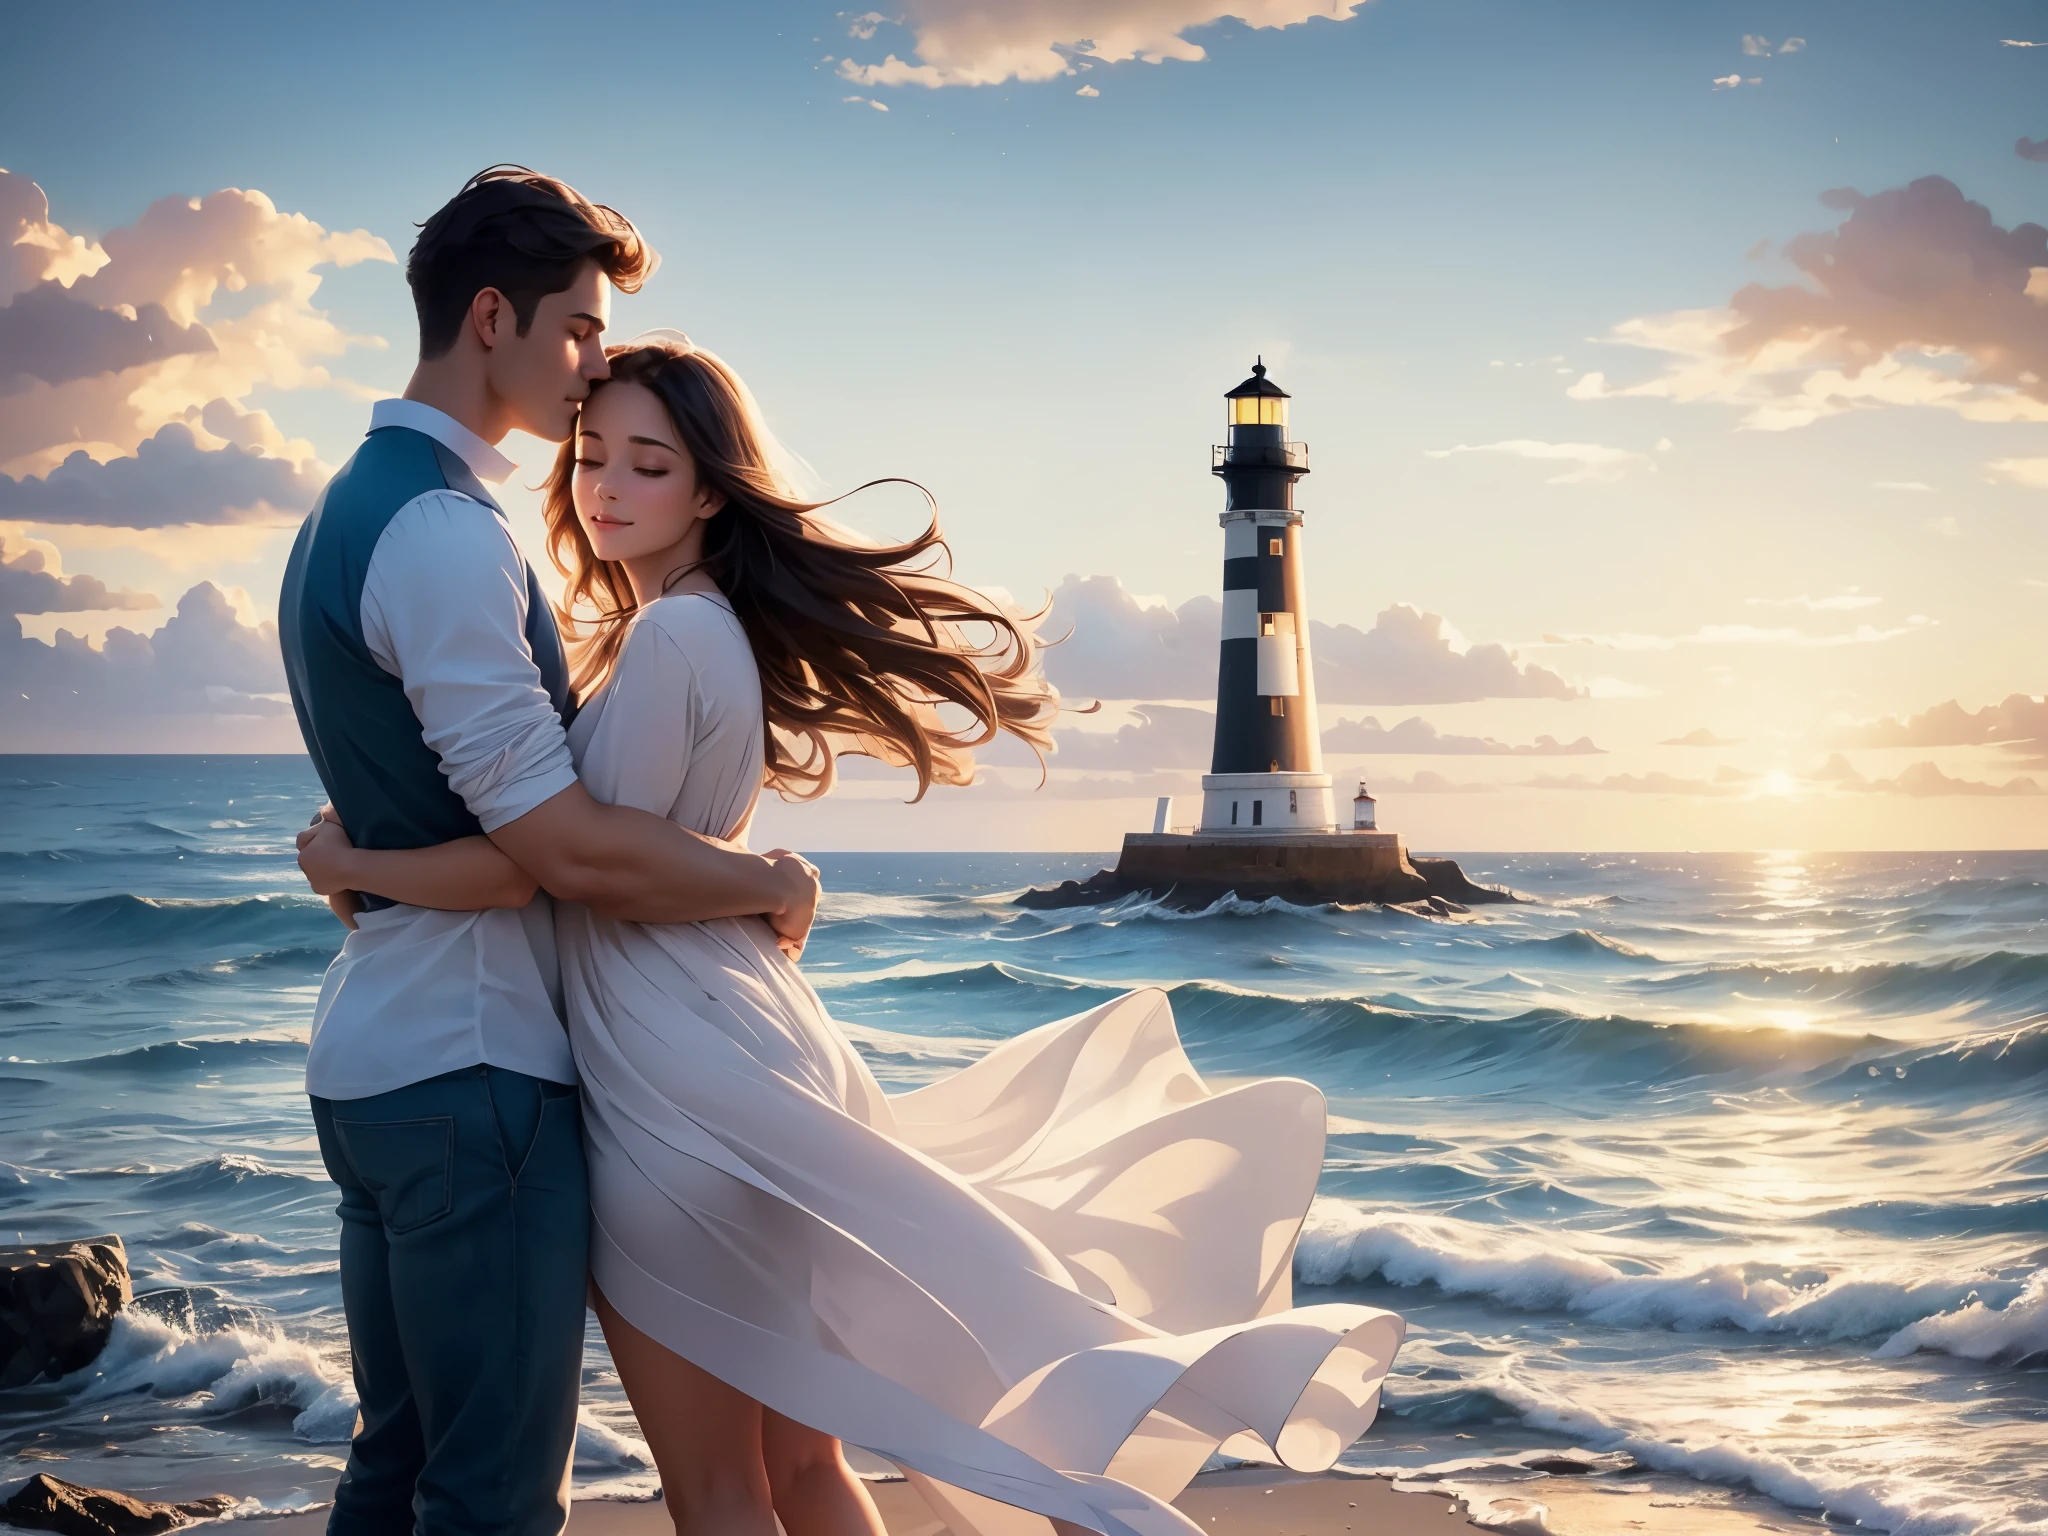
<point>1266,773</point>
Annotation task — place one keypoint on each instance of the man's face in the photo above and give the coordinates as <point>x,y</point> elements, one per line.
<point>543,376</point>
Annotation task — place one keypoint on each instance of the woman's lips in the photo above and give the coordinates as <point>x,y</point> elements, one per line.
<point>599,520</point>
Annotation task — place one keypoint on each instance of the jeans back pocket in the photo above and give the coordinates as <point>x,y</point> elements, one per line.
<point>406,1164</point>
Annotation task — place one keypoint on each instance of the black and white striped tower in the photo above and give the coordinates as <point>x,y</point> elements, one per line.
<point>1266,775</point>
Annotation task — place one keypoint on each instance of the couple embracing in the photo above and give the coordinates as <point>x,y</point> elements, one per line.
<point>566,1054</point>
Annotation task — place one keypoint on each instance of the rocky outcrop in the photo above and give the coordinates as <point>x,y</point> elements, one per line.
<point>1448,882</point>
<point>1428,886</point>
<point>57,1306</point>
<point>50,1504</point>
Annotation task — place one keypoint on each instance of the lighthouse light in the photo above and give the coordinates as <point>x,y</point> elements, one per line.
<point>1258,411</point>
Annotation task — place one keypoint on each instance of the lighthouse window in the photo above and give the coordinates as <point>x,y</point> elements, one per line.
<point>1279,705</point>
<point>1233,813</point>
<point>1294,802</point>
<point>1258,813</point>
<point>1272,546</point>
<point>1266,624</point>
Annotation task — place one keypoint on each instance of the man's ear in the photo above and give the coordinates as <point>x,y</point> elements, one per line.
<point>488,311</point>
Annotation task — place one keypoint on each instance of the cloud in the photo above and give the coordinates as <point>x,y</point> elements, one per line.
<point>32,580</point>
<point>1918,298</point>
<point>1633,784</point>
<point>1744,634</point>
<point>1162,736</point>
<point>51,335</point>
<point>1412,657</point>
<point>1792,45</point>
<point>2014,42</point>
<point>31,247</point>
<point>986,42</point>
<point>199,300</point>
<point>2028,472</point>
<point>2018,718</point>
<point>1921,781</point>
<point>170,481</point>
<point>203,662</point>
<point>1593,462</point>
<point>1699,738</point>
<point>1756,47</point>
<point>1120,648</point>
<point>1428,782</point>
<point>1847,599</point>
<point>1730,82</point>
<point>2031,149</point>
<point>1416,735</point>
<point>867,101</point>
<point>1087,90</point>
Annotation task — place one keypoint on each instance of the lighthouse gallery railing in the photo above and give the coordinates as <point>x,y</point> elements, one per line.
<point>1259,455</point>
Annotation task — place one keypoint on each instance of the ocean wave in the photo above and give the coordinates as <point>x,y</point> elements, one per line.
<point>2012,1334</point>
<point>184,1058</point>
<point>225,1173</point>
<point>1343,1242</point>
<point>2002,1059</point>
<point>1580,946</point>
<point>1876,1501</point>
<point>2011,982</point>
<point>1241,1028</point>
<point>171,1354</point>
<point>114,924</point>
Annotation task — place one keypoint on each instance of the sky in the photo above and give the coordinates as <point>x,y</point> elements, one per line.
<point>1674,379</point>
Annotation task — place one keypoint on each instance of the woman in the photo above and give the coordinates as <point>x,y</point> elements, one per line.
<point>1048,1287</point>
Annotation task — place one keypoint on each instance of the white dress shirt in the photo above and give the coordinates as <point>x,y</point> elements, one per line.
<point>417,992</point>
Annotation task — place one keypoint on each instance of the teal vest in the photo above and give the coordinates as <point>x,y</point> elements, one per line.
<point>360,730</point>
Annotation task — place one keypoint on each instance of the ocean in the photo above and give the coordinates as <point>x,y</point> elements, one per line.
<point>1726,1172</point>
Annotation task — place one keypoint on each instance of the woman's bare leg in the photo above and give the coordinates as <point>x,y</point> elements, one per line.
<point>705,1436</point>
<point>816,1493</point>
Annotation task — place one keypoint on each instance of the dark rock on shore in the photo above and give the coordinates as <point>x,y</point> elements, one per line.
<point>57,1306</point>
<point>50,1504</point>
<point>1436,887</point>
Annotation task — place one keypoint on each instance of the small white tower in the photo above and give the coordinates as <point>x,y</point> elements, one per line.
<point>1364,811</point>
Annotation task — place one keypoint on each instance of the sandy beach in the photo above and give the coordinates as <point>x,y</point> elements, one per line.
<point>1256,1501</point>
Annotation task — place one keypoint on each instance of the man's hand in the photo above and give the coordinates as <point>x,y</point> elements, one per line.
<point>792,921</point>
<point>324,852</point>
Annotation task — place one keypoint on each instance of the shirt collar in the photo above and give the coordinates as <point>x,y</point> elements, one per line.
<point>484,461</point>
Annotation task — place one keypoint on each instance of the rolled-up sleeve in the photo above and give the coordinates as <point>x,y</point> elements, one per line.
<point>444,611</point>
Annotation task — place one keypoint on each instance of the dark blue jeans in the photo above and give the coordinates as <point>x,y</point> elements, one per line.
<point>465,1235</point>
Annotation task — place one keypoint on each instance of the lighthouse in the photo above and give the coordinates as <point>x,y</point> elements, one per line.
<point>1266,771</point>
<point>1269,814</point>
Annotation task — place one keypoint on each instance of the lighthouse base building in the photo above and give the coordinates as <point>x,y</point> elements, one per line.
<point>1269,819</point>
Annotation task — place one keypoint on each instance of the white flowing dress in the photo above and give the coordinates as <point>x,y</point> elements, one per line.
<point>1046,1287</point>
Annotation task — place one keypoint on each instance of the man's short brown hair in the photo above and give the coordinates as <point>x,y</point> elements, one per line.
<point>525,235</point>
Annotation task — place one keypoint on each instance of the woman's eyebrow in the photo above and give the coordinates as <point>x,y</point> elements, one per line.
<point>586,432</point>
<point>655,442</point>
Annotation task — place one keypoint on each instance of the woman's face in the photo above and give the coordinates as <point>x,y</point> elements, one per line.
<point>635,487</point>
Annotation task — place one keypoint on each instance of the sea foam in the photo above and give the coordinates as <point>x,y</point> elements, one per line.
<point>2014,1332</point>
<point>1345,1242</point>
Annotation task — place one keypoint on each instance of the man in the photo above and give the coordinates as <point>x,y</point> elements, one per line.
<point>431,689</point>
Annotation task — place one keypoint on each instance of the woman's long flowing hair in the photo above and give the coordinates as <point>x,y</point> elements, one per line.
<point>861,647</point>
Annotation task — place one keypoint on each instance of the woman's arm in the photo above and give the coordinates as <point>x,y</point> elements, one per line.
<point>466,875</point>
